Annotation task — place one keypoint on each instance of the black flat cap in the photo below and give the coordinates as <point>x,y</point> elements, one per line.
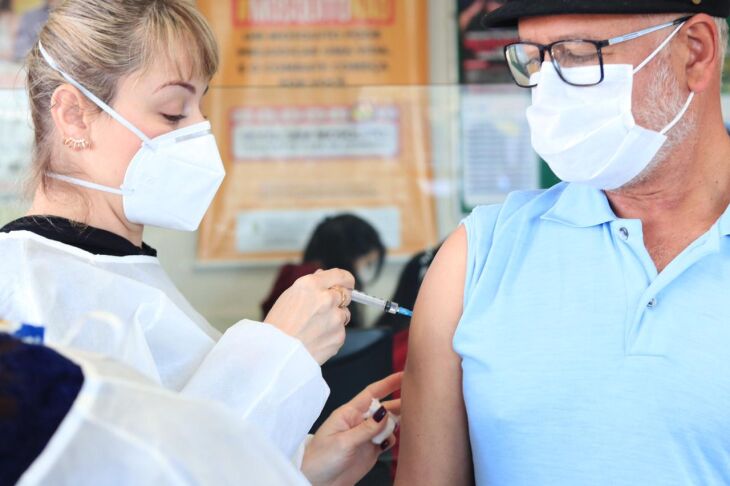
<point>513,10</point>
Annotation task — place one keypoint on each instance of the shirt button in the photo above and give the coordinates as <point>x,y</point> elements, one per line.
<point>651,304</point>
<point>623,233</point>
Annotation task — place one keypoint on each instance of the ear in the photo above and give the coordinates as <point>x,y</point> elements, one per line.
<point>702,65</point>
<point>71,112</point>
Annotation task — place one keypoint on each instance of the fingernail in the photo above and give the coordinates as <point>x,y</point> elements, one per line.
<point>384,445</point>
<point>380,414</point>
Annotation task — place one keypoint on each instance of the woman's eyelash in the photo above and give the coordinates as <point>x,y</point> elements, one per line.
<point>174,118</point>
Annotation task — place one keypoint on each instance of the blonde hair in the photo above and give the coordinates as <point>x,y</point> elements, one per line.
<point>99,42</point>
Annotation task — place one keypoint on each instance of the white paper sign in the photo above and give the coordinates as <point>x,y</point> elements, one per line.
<point>315,133</point>
<point>290,230</point>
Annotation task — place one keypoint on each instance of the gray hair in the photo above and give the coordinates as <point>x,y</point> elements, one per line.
<point>722,32</point>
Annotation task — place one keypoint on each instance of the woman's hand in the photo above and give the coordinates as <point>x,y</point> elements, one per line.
<point>314,310</point>
<point>341,452</point>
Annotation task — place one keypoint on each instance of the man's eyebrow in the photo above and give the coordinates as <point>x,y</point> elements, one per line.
<point>572,37</point>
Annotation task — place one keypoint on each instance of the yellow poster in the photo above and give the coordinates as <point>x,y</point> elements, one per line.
<point>320,108</point>
<point>320,42</point>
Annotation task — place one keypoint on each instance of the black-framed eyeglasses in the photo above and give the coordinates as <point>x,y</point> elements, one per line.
<point>525,58</point>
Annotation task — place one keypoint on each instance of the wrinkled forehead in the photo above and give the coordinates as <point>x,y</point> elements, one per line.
<point>551,28</point>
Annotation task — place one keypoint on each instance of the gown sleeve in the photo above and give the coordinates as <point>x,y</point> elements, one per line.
<point>267,378</point>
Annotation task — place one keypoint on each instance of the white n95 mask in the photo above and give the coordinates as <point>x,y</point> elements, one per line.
<point>588,135</point>
<point>171,180</point>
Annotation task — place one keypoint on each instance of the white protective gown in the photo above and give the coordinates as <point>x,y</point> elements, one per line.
<point>263,375</point>
<point>124,429</point>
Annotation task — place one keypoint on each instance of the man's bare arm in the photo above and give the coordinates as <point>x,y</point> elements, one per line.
<point>434,433</point>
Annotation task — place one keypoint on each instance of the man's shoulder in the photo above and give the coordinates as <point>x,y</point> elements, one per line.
<point>518,205</point>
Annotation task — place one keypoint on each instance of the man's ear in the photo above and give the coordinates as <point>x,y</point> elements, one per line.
<point>71,112</point>
<point>703,62</point>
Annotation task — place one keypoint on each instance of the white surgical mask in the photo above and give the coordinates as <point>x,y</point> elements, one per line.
<point>588,135</point>
<point>367,274</point>
<point>171,180</point>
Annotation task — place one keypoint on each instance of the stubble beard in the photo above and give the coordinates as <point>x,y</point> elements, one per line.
<point>664,100</point>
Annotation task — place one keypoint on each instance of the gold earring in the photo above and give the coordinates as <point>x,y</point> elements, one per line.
<point>76,143</point>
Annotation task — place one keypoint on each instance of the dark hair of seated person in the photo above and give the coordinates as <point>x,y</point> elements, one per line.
<point>336,242</point>
<point>37,389</point>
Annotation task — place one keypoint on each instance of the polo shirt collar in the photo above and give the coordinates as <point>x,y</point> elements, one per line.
<point>581,206</point>
<point>724,223</point>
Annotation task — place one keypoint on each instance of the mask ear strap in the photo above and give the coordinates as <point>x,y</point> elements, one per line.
<point>86,184</point>
<point>679,115</point>
<point>92,96</point>
<point>658,49</point>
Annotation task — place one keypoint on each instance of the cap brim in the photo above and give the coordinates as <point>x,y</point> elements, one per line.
<point>508,14</point>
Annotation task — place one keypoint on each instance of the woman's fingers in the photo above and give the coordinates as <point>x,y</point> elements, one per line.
<point>335,277</point>
<point>393,406</point>
<point>379,389</point>
<point>388,444</point>
<point>341,297</point>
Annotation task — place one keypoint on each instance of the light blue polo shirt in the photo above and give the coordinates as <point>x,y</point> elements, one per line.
<point>581,365</point>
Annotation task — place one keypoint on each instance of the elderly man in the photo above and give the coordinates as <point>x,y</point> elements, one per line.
<point>581,335</point>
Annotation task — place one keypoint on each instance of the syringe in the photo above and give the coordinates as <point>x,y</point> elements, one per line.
<point>384,305</point>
